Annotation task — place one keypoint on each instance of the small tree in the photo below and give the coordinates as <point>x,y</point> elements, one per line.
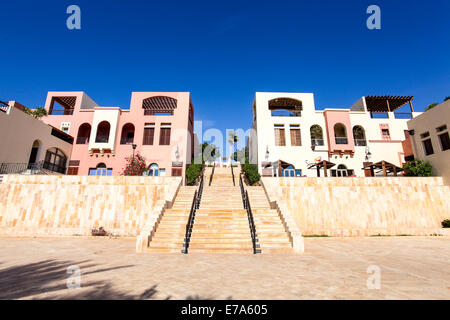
<point>193,172</point>
<point>38,113</point>
<point>431,106</point>
<point>135,166</point>
<point>418,168</point>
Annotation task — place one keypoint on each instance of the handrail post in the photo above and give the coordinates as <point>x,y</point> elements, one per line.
<point>212,174</point>
<point>187,236</point>
<point>251,222</point>
<point>232,173</point>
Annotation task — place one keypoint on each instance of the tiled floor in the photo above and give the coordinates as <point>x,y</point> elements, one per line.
<point>331,268</point>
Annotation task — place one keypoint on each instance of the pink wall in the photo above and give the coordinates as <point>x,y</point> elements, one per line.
<point>333,117</point>
<point>181,132</point>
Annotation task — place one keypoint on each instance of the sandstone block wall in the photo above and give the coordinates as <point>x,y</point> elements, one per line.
<point>363,206</point>
<point>39,205</point>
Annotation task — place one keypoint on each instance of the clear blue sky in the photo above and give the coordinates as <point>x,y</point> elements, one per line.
<point>225,51</point>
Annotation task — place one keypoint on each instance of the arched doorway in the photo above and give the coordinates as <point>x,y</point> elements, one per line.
<point>34,153</point>
<point>55,160</point>
<point>153,170</point>
<point>342,171</point>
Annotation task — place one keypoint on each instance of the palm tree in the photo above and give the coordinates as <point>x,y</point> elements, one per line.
<point>232,140</point>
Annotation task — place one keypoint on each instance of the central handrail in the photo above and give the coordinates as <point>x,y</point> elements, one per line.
<point>212,174</point>
<point>251,221</point>
<point>194,206</point>
<point>232,173</point>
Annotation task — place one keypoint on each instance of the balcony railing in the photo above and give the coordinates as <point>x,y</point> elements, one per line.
<point>360,142</point>
<point>341,140</point>
<point>126,140</point>
<point>82,140</point>
<point>379,115</point>
<point>66,112</point>
<point>403,115</point>
<point>317,142</point>
<point>102,139</point>
<point>31,168</point>
<point>4,106</point>
<point>275,113</point>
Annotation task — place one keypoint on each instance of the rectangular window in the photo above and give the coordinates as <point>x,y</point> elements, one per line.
<point>295,136</point>
<point>441,128</point>
<point>280,139</point>
<point>164,136</point>
<point>72,171</point>
<point>428,146</point>
<point>176,172</point>
<point>445,141</point>
<point>425,135</point>
<point>385,133</point>
<point>149,134</point>
<point>100,172</point>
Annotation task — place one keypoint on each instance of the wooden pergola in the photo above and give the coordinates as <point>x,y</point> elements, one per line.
<point>323,164</point>
<point>384,166</point>
<point>387,103</point>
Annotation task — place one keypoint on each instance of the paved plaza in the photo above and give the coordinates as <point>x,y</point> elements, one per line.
<point>331,268</point>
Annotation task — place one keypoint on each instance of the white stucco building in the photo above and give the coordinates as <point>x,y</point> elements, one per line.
<point>289,135</point>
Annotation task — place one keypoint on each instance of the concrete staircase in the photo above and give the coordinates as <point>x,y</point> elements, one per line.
<point>221,223</point>
<point>272,234</point>
<point>171,229</point>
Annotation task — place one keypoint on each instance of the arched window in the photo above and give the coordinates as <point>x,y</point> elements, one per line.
<point>103,132</point>
<point>127,136</point>
<point>84,132</point>
<point>340,133</point>
<point>32,160</point>
<point>316,135</point>
<point>100,170</point>
<point>285,107</point>
<point>359,136</point>
<point>55,160</point>
<point>153,170</point>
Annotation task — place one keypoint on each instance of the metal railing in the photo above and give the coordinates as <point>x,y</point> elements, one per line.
<point>4,106</point>
<point>126,140</point>
<point>251,221</point>
<point>341,140</point>
<point>190,224</point>
<point>360,142</point>
<point>212,174</point>
<point>317,142</point>
<point>82,140</point>
<point>101,139</point>
<point>232,174</point>
<point>403,115</point>
<point>31,168</point>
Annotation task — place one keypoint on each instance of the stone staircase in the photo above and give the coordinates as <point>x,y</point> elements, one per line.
<point>221,223</point>
<point>170,232</point>
<point>272,234</point>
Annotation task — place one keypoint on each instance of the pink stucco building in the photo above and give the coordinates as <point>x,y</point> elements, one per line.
<point>158,125</point>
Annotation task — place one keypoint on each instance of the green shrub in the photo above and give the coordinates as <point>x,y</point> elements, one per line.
<point>446,223</point>
<point>193,172</point>
<point>418,168</point>
<point>251,173</point>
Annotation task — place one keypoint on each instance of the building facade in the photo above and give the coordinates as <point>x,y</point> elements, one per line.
<point>158,125</point>
<point>289,135</point>
<point>429,139</point>
<point>28,145</point>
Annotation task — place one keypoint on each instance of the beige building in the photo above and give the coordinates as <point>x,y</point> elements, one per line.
<point>29,145</point>
<point>429,134</point>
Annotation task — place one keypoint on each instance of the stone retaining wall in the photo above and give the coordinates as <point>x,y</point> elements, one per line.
<point>39,205</point>
<point>363,206</point>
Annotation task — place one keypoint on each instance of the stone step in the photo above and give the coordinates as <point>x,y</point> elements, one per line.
<point>221,245</point>
<point>221,250</point>
<point>164,250</point>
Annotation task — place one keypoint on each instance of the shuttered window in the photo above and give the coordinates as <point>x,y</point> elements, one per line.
<point>164,137</point>
<point>176,172</point>
<point>280,139</point>
<point>295,136</point>
<point>149,134</point>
